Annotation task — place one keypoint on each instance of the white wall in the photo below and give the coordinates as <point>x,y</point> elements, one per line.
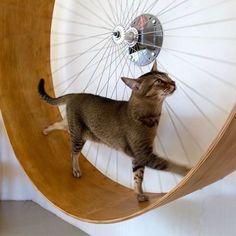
<point>209,212</point>
<point>14,185</point>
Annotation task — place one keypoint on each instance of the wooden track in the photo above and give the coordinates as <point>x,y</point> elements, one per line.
<point>24,59</point>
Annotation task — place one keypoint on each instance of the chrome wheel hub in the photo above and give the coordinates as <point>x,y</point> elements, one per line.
<point>144,38</point>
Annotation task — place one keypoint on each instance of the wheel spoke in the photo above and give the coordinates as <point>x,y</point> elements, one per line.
<point>91,47</point>
<point>82,71</point>
<point>181,141</point>
<point>172,8</point>
<point>77,57</point>
<point>166,7</point>
<point>198,93</point>
<point>83,23</point>
<point>231,63</point>
<point>122,50</point>
<point>94,14</point>
<point>195,12</point>
<point>98,64</point>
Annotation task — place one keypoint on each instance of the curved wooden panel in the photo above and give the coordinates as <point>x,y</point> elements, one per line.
<point>24,58</point>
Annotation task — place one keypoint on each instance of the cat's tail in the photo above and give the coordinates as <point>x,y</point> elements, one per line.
<point>53,101</point>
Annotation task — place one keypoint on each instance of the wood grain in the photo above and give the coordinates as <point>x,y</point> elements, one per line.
<point>24,59</point>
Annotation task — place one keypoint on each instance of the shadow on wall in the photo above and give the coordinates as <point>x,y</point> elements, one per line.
<point>14,185</point>
<point>208,212</point>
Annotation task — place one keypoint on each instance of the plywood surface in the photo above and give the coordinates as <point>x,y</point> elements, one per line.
<point>24,59</point>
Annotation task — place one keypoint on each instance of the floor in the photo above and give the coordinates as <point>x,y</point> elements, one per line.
<point>26,218</point>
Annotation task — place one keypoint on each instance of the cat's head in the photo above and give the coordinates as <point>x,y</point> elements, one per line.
<point>152,85</point>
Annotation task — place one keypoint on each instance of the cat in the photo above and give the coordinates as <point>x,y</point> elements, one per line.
<point>129,126</point>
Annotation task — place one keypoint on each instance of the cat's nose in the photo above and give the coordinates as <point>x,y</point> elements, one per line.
<point>173,83</point>
<point>172,86</point>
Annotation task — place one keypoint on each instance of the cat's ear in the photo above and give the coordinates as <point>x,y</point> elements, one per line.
<point>154,67</point>
<point>132,83</point>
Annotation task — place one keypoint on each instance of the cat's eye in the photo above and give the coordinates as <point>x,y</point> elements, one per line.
<point>158,82</point>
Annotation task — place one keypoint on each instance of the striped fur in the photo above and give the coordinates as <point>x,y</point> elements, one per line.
<point>129,126</point>
<point>52,101</point>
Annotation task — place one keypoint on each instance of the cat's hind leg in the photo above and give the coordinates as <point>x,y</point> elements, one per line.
<point>60,125</point>
<point>138,172</point>
<point>156,162</point>
<point>177,168</point>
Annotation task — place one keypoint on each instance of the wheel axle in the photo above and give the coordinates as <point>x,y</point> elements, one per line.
<point>144,37</point>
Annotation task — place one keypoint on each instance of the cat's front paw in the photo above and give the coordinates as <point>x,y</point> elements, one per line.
<point>142,198</point>
<point>77,173</point>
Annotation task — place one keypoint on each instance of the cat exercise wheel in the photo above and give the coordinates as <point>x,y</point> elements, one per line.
<point>25,57</point>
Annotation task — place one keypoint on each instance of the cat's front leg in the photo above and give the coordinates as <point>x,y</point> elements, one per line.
<point>138,172</point>
<point>77,145</point>
<point>75,165</point>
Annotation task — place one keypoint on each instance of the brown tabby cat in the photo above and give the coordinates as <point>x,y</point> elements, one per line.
<point>128,126</point>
